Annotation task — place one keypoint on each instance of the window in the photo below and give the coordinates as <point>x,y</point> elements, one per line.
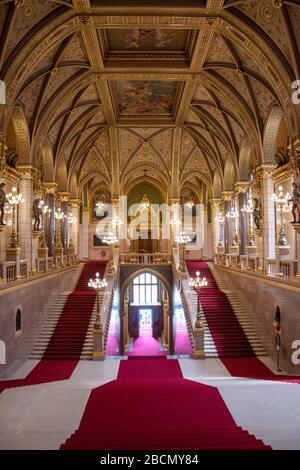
<point>145,289</point>
<point>18,321</point>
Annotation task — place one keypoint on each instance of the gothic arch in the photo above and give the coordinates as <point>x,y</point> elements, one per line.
<point>22,135</point>
<point>270,134</point>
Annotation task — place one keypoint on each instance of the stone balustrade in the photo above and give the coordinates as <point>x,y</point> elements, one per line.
<point>146,258</point>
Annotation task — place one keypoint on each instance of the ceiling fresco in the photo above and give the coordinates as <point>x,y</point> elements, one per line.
<point>142,40</point>
<point>153,98</point>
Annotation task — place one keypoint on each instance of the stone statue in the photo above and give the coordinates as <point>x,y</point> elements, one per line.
<point>257,213</point>
<point>295,199</point>
<point>37,215</point>
<point>2,203</point>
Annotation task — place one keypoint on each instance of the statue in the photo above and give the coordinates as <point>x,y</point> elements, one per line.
<point>257,213</point>
<point>37,215</point>
<point>2,203</point>
<point>295,199</point>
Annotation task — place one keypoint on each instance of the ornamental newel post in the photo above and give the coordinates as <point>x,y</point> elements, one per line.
<point>98,284</point>
<point>196,284</point>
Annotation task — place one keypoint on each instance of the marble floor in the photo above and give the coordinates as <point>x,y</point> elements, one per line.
<point>43,416</point>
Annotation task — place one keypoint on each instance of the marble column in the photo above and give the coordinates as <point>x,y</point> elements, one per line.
<point>50,218</point>
<point>215,211</point>
<point>226,196</point>
<point>84,235</point>
<point>74,235</point>
<point>24,215</point>
<point>241,188</point>
<point>268,216</point>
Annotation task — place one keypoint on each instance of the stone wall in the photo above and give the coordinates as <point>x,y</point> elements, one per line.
<point>261,298</point>
<point>35,299</point>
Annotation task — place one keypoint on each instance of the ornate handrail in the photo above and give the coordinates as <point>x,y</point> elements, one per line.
<point>146,258</point>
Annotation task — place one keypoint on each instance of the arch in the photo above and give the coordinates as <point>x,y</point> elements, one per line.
<point>46,162</point>
<point>73,186</point>
<point>152,271</point>
<point>217,185</point>
<point>130,184</point>
<point>22,135</point>
<point>271,133</point>
<point>62,176</point>
<point>136,193</point>
<point>245,159</point>
<point>229,175</point>
<point>18,326</point>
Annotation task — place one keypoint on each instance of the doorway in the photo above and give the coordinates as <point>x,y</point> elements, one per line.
<point>145,316</point>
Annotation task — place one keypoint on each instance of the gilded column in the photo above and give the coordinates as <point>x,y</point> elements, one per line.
<point>74,235</point>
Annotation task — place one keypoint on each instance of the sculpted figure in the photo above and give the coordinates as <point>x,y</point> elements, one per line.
<point>2,203</point>
<point>295,200</point>
<point>256,213</point>
<point>37,215</point>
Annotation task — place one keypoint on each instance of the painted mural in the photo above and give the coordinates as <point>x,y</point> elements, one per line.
<point>146,40</point>
<point>145,97</point>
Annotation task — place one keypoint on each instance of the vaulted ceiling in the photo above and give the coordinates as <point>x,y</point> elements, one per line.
<point>173,91</point>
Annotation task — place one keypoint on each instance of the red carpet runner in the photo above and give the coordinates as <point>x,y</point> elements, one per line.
<point>64,348</point>
<point>228,335</point>
<point>151,406</point>
<point>230,340</point>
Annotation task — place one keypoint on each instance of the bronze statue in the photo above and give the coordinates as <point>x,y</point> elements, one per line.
<point>2,203</point>
<point>37,215</point>
<point>295,199</point>
<point>257,213</point>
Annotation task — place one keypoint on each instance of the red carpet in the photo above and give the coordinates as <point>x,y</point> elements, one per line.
<point>228,335</point>
<point>182,340</point>
<point>231,342</point>
<point>151,406</point>
<point>146,345</point>
<point>65,345</point>
<point>69,335</point>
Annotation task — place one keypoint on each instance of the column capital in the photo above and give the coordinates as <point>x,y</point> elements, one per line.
<point>115,201</point>
<point>216,202</point>
<point>50,187</point>
<point>227,195</point>
<point>283,172</point>
<point>241,186</point>
<point>265,170</point>
<point>64,196</point>
<point>27,171</point>
<point>75,202</point>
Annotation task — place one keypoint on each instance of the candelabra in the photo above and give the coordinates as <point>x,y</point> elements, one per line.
<point>233,216</point>
<point>248,210</point>
<point>97,283</point>
<point>281,202</point>
<point>182,241</point>
<point>220,221</point>
<point>110,239</point>
<point>59,216</point>
<point>14,199</point>
<point>45,212</point>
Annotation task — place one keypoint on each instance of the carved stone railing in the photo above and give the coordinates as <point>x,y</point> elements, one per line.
<point>146,258</point>
<point>23,268</point>
<point>8,271</point>
<point>271,266</point>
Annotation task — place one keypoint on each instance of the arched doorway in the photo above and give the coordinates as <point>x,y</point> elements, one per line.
<point>146,315</point>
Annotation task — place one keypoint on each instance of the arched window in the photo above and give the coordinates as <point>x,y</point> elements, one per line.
<point>18,321</point>
<point>145,289</point>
